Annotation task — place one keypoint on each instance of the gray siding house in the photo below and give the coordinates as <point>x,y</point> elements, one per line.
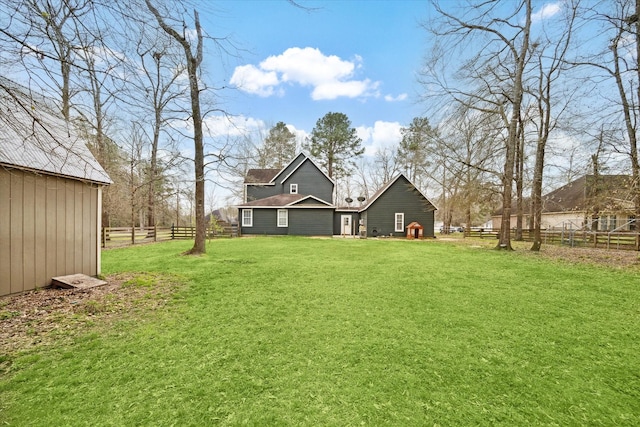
<point>299,200</point>
<point>50,195</point>
<point>393,207</point>
<point>295,200</point>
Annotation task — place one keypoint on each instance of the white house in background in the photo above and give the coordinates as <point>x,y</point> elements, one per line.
<point>598,203</point>
<point>50,194</point>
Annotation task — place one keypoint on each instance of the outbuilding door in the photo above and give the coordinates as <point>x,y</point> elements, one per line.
<point>346,225</point>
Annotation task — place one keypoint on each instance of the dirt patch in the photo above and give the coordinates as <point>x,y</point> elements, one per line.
<point>620,259</point>
<point>613,258</point>
<point>45,316</point>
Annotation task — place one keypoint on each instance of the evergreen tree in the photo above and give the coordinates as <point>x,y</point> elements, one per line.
<point>334,143</point>
<point>413,152</point>
<point>279,147</point>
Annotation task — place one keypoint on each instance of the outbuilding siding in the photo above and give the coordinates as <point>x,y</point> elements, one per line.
<point>49,228</point>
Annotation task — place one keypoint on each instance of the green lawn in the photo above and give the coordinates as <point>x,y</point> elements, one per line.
<point>295,331</point>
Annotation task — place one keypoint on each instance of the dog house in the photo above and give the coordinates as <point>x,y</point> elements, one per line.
<point>415,231</point>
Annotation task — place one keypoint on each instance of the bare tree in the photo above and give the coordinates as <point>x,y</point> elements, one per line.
<point>44,36</point>
<point>470,137</point>
<point>619,62</point>
<point>550,54</point>
<point>193,60</point>
<point>157,89</point>
<point>496,71</point>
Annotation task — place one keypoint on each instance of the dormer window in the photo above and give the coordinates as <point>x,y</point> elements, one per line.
<point>293,188</point>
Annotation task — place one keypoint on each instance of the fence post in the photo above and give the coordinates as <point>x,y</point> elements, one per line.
<point>172,233</point>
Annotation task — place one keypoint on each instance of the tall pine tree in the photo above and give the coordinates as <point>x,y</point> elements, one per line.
<point>334,143</point>
<point>279,147</point>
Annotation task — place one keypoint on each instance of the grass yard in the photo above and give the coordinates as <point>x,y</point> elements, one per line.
<point>297,331</point>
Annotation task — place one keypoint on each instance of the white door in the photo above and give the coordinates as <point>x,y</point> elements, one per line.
<point>346,225</point>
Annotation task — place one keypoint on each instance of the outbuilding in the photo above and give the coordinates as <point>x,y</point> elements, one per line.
<point>50,195</point>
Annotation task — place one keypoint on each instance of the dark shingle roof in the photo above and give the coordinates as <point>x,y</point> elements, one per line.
<point>277,200</point>
<point>587,192</point>
<point>609,192</point>
<point>260,176</point>
<point>285,200</point>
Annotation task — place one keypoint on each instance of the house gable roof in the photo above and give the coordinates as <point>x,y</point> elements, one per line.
<point>271,176</point>
<point>34,137</point>
<point>608,191</point>
<point>287,201</point>
<point>302,161</point>
<point>388,185</point>
<point>297,159</point>
<point>260,176</point>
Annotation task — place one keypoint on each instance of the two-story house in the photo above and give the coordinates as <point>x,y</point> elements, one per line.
<point>299,200</point>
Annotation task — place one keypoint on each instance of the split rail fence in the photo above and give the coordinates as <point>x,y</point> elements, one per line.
<point>121,236</point>
<point>577,238</point>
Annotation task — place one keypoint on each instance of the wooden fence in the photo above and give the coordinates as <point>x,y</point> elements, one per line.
<point>121,236</point>
<point>585,238</point>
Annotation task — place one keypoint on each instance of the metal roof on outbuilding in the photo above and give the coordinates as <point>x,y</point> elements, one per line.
<point>34,137</point>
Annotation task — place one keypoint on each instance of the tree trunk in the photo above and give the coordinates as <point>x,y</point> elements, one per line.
<point>153,172</point>
<point>504,237</point>
<point>199,246</point>
<point>520,181</point>
<point>635,166</point>
<point>193,64</point>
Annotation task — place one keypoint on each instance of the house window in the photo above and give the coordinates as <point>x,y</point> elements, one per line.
<point>247,217</point>
<point>283,218</point>
<point>400,222</point>
<point>293,189</point>
<point>607,222</point>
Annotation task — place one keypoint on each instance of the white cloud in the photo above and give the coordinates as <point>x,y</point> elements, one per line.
<point>391,98</point>
<point>350,89</point>
<point>308,66</point>
<point>301,135</point>
<point>329,76</point>
<point>381,135</point>
<point>547,11</point>
<point>253,80</point>
<point>216,126</point>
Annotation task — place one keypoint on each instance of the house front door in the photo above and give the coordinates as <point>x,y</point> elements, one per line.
<point>346,225</point>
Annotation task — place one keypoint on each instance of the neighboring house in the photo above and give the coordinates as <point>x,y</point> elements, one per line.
<point>299,200</point>
<point>602,203</point>
<point>50,195</point>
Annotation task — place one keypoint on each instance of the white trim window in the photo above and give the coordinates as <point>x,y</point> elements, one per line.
<point>283,218</point>
<point>247,217</point>
<point>399,222</point>
<point>293,188</point>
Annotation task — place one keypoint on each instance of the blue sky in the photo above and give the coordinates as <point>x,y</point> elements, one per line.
<point>359,58</point>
